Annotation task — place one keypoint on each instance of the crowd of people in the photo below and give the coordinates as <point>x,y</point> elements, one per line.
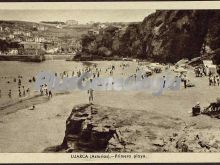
<point>22,89</point>
<point>214,80</point>
<point>96,71</point>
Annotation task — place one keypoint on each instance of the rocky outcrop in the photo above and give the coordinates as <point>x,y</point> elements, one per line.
<point>164,36</point>
<point>96,128</point>
<point>85,133</point>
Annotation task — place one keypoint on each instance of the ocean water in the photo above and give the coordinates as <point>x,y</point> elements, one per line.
<point>12,69</point>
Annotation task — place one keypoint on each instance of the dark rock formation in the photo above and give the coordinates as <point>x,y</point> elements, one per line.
<point>164,36</point>
<point>86,134</point>
<point>95,128</point>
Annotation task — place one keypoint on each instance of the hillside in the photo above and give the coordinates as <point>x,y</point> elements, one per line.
<point>65,37</point>
<point>164,36</point>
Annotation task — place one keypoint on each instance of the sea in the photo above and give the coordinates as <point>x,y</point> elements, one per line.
<point>12,71</point>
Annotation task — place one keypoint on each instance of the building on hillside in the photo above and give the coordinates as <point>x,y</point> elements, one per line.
<point>13,52</point>
<point>39,39</point>
<point>6,29</point>
<point>71,22</point>
<point>29,39</point>
<point>2,37</point>
<point>52,51</point>
<point>17,32</point>
<point>11,36</point>
<point>42,28</point>
<point>17,39</point>
<point>31,48</point>
<point>27,34</point>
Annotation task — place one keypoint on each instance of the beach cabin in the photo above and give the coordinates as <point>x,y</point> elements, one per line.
<point>156,67</point>
<point>180,70</point>
<point>209,67</point>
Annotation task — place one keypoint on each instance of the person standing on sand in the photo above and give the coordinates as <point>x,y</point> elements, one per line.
<point>46,90</point>
<point>50,94</point>
<point>185,81</point>
<point>41,90</point>
<point>217,79</point>
<point>90,92</point>
<point>164,81</point>
<point>9,93</point>
<point>19,82</point>
<point>28,91</point>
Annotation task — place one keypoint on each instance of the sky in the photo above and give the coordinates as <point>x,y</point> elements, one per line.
<point>82,15</point>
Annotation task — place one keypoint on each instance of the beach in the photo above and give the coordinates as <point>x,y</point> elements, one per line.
<point>24,130</point>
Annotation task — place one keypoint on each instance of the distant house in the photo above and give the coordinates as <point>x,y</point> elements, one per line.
<point>41,28</point>
<point>52,51</point>
<point>11,36</point>
<point>39,39</point>
<point>1,28</point>
<point>6,29</point>
<point>29,39</point>
<point>71,22</point>
<point>31,48</point>
<point>2,37</point>
<point>13,52</point>
<point>27,34</point>
<point>17,39</point>
<point>17,32</point>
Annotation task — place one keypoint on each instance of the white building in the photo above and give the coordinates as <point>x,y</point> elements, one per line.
<point>1,28</point>
<point>3,38</point>
<point>13,52</point>
<point>7,29</point>
<point>17,32</point>
<point>11,36</point>
<point>27,34</point>
<point>17,40</point>
<point>52,51</point>
<point>29,39</point>
<point>41,28</point>
<point>209,67</point>
<point>39,39</point>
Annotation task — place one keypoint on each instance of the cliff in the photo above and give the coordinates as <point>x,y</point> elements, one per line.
<point>164,36</point>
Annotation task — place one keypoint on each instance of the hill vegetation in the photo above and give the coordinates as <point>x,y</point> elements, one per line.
<point>164,36</point>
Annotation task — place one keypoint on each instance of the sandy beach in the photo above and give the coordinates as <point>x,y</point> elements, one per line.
<point>28,130</point>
